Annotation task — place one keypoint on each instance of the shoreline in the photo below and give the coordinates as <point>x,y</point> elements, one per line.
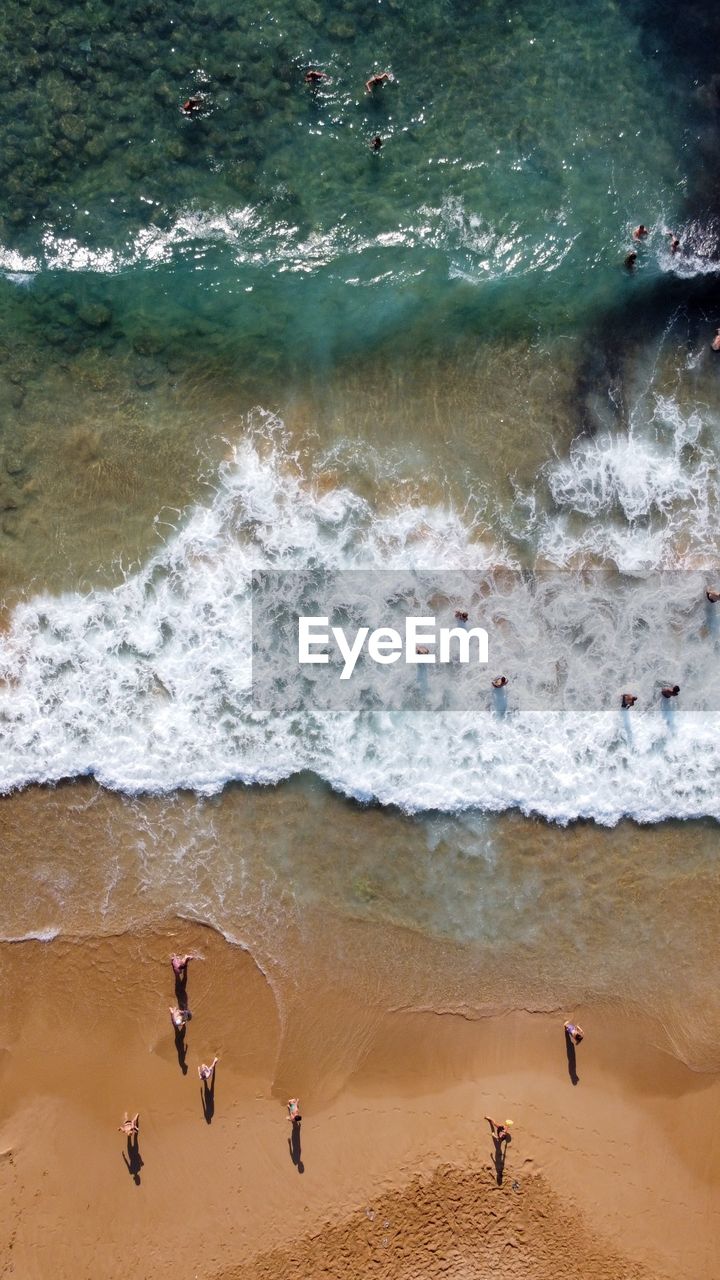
<point>393,1106</point>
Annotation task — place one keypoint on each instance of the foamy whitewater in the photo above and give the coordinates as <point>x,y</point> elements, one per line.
<point>148,686</point>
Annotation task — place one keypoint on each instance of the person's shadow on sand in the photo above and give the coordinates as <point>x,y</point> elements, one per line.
<point>500,1155</point>
<point>571,1058</point>
<point>133,1159</point>
<point>207,1097</point>
<point>294,1147</point>
<point>181,1049</point>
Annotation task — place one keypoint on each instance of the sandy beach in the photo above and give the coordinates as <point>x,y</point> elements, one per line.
<point>615,1176</point>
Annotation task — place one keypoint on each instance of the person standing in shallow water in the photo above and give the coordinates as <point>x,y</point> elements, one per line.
<point>574,1033</point>
<point>628,700</point>
<point>670,691</point>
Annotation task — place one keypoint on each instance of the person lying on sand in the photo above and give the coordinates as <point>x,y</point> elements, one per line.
<point>628,700</point>
<point>206,1073</point>
<point>129,1127</point>
<point>500,1131</point>
<point>574,1032</point>
<point>179,1017</point>
<point>668,692</point>
<point>499,682</point>
<point>294,1110</point>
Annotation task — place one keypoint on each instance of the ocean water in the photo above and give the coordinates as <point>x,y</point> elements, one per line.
<point>242,340</point>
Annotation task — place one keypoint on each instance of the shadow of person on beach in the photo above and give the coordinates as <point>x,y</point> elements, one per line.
<point>294,1147</point>
<point>207,1097</point>
<point>571,1057</point>
<point>181,1049</point>
<point>133,1159</point>
<point>181,989</point>
<point>500,1155</point>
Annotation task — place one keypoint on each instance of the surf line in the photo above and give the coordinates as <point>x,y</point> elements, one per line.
<point>423,642</point>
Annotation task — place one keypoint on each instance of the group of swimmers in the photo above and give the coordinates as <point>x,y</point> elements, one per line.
<point>196,104</point>
<point>627,700</point>
<point>639,234</point>
<point>315,78</point>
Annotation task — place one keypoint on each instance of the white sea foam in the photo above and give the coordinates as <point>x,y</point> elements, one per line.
<point>147,686</point>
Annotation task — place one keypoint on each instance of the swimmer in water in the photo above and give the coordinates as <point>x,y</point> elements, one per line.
<point>499,682</point>
<point>461,615</point>
<point>715,344</point>
<point>674,244</point>
<point>376,142</point>
<point>422,649</point>
<point>712,597</point>
<point>640,232</point>
<point>630,260</point>
<point>628,700</point>
<point>315,78</point>
<point>191,106</point>
<point>377,80</point>
<point>670,692</point>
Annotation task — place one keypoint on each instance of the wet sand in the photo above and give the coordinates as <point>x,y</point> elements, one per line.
<point>613,1176</point>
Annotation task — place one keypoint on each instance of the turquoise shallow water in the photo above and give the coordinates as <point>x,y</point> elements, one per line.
<point>522,143</point>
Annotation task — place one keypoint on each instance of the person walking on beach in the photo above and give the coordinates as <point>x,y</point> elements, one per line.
<point>180,1017</point>
<point>670,692</point>
<point>207,1074</point>
<point>628,700</point>
<point>294,1110</point>
<point>180,964</point>
<point>501,1138</point>
<point>574,1033</point>
<point>501,1132</point>
<point>128,1126</point>
<point>377,79</point>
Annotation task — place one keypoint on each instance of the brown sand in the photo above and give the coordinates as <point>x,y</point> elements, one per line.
<point>614,1177</point>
